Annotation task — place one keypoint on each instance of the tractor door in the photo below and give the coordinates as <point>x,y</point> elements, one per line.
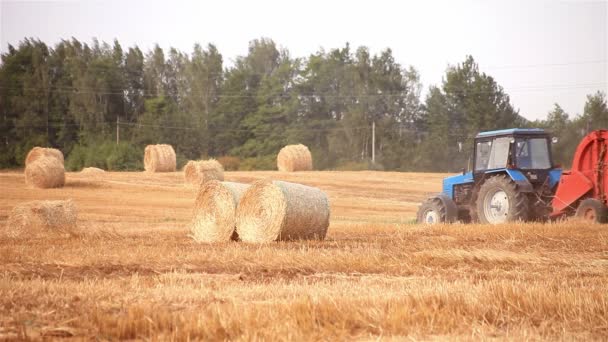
<point>492,154</point>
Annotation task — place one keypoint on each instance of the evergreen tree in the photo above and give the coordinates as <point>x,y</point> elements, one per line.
<point>469,102</point>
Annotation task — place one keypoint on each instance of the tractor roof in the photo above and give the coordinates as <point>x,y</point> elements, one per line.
<point>511,131</point>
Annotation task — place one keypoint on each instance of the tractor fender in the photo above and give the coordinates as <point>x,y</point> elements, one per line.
<point>450,206</point>
<point>523,184</point>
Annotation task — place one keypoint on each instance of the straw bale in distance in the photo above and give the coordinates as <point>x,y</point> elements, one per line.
<point>215,211</point>
<point>92,171</point>
<point>294,158</point>
<point>35,218</point>
<point>38,152</point>
<point>202,171</point>
<point>159,158</point>
<point>277,210</point>
<point>44,173</point>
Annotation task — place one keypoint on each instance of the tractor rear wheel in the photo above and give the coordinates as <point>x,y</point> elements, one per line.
<point>593,210</point>
<point>435,210</point>
<point>500,201</point>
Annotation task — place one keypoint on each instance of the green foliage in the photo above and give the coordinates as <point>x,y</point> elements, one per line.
<point>469,101</point>
<point>107,156</point>
<point>180,161</point>
<point>229,163</point>
<point>71,95</point>
<point>268,162</point>
<point>570,131</point>
<point>123,156</point>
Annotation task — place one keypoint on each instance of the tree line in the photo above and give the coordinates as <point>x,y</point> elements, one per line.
<point>82,98</point>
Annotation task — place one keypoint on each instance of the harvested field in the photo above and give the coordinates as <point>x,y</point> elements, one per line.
<point>136,274</point>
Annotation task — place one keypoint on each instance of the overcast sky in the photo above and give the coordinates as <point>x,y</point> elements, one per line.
<point>541,52</point>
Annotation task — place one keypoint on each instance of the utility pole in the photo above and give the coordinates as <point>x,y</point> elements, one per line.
<point>373,142</point>
<point>117,129</point>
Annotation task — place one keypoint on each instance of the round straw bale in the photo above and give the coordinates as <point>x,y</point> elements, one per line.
<point>38,152</point>
<point>199,172</point>
<point>294,158</point>
<point>42,217</point>
<point>44,173</point>
<point>215,210</point>
<point>159,158</point>
<point>277,210</point>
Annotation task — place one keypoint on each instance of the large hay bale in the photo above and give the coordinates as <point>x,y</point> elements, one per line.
<point>42,217</point>
<point>44,173</point>
<point>159,158</point>
<point>277,210</point>
<point>38,152</point>
<point>215,211</point>
<point>202,171</point>
<point>294,158</point>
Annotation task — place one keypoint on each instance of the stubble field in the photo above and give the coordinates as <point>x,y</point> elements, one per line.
<point>133,272</point>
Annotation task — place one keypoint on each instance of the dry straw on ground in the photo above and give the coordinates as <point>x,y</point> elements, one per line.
<point>202,171</point>
<point>159,158</point>
<point>294,158</point>
<point>41,218</point>
<point>38,152</point>
<point>92,171</point>
<point>215,211</point>
<point>44,173</point>
<point>277,210</point>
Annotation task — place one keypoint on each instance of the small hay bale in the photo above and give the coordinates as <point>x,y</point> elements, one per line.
<point>45,173</point>
<point>215,211</point>
<point>159,158</point>
<point>38,152</point>
<point>294,158</point>
<point>92,171</point>
<point>41,218</point>
<point>277,210</point>
<point>202,171</point>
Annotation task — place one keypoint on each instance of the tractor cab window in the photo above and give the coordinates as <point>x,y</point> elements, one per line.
<point>532,153</point>
<point>492,154</point>
<point>482,158</point>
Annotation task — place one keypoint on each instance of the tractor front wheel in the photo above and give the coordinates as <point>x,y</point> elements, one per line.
<point>593,210</point>
<point>500,201</point>
<point>437,210</point>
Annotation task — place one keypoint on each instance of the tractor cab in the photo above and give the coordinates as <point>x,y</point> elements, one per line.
<point>512,179</point>
<point>525,150</point>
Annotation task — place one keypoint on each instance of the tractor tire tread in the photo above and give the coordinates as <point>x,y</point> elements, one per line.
<point>436,204</point>
<point>520,207</point>
<point>601,211</point>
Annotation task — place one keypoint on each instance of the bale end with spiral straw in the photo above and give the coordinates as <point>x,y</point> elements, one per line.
<point>215,210</point>
<point>294,158</point>
<point>44,173</point>
<point>159,158</point>
<point>202,171</point>
<point>277,210</point>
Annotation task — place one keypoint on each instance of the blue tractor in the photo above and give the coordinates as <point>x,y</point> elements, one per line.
<point>513,178</point>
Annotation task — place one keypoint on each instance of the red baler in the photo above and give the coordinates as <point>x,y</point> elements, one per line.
<point>582,190</point>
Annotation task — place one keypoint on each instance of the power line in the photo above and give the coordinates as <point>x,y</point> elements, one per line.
<point>190,128</point>
<point>77,91</point>
<point>543,65</point>
<point>394,128</point>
